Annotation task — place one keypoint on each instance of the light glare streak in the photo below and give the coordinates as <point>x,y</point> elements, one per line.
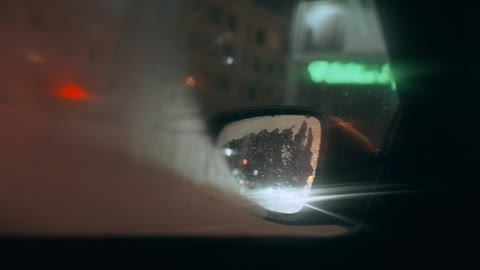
<point>340,217</point>
<point>292,200</point>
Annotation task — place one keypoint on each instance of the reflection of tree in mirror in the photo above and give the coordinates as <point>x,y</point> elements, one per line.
<point>276,158</point>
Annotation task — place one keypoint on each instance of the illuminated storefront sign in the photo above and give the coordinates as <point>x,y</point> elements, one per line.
<point>350,73</point>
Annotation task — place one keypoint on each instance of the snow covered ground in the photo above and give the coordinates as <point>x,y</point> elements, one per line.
<point>55,180</point>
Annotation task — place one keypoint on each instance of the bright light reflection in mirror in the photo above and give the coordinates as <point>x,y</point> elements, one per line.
<point>273,159</point>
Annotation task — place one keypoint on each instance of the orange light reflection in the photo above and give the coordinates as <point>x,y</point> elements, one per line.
<point>356,133</point>
<point>190,81</point>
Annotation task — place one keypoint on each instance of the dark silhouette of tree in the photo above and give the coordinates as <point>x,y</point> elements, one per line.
<point>274,158</point>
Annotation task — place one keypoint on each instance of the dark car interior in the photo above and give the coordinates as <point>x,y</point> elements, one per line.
<point>427,147</point>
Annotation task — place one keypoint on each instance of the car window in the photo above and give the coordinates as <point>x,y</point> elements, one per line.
<point>100,99</point>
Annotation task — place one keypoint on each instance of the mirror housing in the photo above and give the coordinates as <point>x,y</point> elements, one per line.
<point>345,158</point>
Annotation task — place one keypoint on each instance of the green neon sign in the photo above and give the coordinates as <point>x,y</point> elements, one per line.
<point>350,73</point>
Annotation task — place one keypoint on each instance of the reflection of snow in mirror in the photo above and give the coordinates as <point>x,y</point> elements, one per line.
<point>285,200</point>
<point>286,154</point>
<point>274,158</point>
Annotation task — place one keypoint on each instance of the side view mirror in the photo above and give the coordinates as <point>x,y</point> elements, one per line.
<point>286,158</point>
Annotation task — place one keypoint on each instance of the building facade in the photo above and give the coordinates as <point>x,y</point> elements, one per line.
<point>237,54</point>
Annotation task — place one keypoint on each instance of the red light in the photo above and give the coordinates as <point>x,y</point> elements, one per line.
<point>73,92</point>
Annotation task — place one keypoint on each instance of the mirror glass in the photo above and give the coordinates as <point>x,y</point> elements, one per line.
<point>273,158</point>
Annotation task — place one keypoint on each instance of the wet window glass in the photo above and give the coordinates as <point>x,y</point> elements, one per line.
<point>329,55</point>
<point>96,93</point>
